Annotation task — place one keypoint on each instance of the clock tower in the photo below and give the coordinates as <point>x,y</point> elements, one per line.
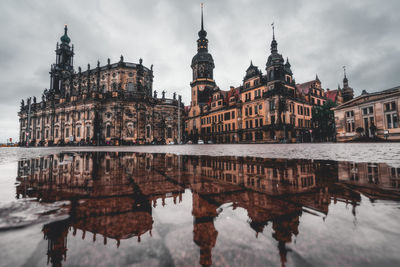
<point>202,65</point>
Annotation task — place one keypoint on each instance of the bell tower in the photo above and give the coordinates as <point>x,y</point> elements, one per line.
<point>63,68</point>
<point>202,66</point>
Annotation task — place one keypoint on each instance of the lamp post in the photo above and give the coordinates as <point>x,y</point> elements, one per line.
<point>28,130</point>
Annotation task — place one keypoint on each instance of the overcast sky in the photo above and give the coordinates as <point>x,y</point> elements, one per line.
<point>317,36</point>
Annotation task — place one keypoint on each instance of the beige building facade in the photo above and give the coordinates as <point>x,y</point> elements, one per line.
<point>369,115</point>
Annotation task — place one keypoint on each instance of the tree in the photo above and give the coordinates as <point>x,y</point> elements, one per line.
<point>323,122</point>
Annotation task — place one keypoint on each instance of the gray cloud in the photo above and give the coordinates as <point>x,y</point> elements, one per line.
<point>317,36</point>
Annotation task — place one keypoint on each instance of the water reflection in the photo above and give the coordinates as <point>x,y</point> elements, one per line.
<point>112,195</point>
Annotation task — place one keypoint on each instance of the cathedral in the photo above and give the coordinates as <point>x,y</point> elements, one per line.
<point>268,107</point>
<point>112,104</point>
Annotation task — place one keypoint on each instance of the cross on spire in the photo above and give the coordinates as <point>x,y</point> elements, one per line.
<point>344,71</point>
<point>273,30</point>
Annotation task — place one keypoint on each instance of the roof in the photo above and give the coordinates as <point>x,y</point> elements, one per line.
<point>332,95</point>
<point>305,87</point>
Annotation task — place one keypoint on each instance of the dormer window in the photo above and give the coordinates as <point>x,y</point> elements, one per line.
<point>256,82</point>
<point>247,85</point>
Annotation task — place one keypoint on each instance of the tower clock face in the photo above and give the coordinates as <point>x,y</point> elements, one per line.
<point>201,88</point>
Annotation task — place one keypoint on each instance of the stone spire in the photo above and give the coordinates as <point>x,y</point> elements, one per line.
<point>345,80</point>
<point>202,42</point>
<point>274,44</point>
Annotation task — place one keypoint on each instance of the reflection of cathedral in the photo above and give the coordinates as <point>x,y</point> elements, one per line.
<point>112,195</point>
<point>107,104</point>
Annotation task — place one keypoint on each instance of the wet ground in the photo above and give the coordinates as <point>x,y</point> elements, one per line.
<point>219,205</point>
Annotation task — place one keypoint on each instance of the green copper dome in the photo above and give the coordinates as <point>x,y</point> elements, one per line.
<point>65,38</point>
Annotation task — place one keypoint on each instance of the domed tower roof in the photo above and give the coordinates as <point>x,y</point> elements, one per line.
<point>65,38</point>
<point>274,58</point>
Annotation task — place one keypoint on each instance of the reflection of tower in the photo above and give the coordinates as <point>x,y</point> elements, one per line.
<point>204,232</point>
<point>284,227</point>
<point>56,233</point>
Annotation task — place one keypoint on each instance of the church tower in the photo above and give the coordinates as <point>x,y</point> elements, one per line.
<point>348,92</point>
<point>63,68</point>
<point>202,65</point>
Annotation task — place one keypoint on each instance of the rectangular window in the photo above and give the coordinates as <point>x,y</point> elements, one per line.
<point>56,133</point>
<point>350,114</point>
<point>88,131</point>
<point>368,110</point>
<point>256,123</point>
<point>67,132</point>
<point>78,131</point>
<point>233,114</point>
<point>227,116</point>
<point>392,120</point>
<point>350,125</point>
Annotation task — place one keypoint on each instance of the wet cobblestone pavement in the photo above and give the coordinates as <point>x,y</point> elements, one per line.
<point>201,205</point>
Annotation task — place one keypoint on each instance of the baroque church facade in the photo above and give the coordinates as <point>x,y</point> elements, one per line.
<point>111,104</point>
<point>268,107</point>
